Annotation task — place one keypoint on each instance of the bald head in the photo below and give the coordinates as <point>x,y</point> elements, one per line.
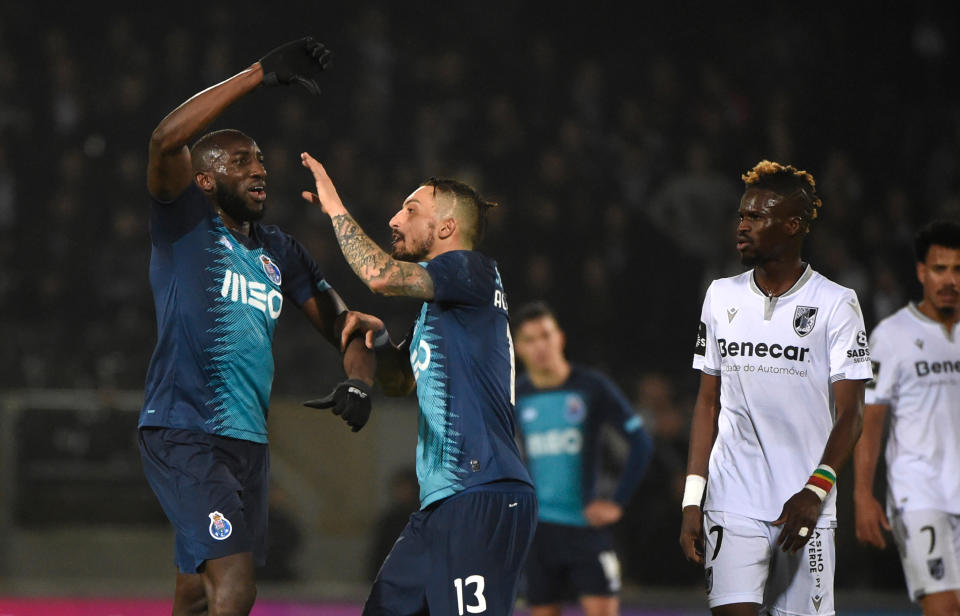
<point>211,151</point>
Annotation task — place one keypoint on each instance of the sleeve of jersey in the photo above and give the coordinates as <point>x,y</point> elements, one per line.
<point>706,355</point>
<point>847,337</point>
<point>301,276</point>
<point>171,220</point>
<point>626,421</point>
<point>879,390</point>
<point>460,277</point>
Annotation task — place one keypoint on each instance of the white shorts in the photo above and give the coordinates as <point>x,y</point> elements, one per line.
<point>743,564</point>
<point>929,544</point>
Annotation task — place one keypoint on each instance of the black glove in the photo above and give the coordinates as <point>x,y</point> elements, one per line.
<point>350,399</point>
<point>300,61</point>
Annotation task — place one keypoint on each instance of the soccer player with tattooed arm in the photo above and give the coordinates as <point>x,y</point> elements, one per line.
<point>220,280</point>
<point>783,358</point>
<point>462,552</point>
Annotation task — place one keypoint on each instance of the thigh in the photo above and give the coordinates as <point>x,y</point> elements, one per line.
<point>929,544</point>
<point>737,555</point>
<point>400,587</point>
<point>595,570</point>
<point>547,567</point>
<point>802,583</point>
<point>478,544</point>
<point>199,492</point>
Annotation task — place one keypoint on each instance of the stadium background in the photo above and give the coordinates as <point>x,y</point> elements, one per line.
<point>613,138</point>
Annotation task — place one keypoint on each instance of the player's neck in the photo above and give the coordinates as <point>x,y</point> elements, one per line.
<point>947,320</point>
<point>242,228</point>
<point>777,277</point>
<point>553,377</point>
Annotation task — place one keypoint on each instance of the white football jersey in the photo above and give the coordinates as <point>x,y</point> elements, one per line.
<point>777,358</point>
<point>916,365</point>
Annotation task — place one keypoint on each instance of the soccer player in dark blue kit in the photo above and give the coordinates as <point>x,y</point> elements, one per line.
<point>562,409</point>
<point>463,551</point>
<point>220,280</point>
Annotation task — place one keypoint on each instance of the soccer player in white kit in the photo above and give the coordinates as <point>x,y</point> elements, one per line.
<point>916,361</point>
<point>784,358</point>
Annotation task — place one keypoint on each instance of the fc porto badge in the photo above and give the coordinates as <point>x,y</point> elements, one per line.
<point>220,526</point>
<point>708,575</point>
<point>576,409</point>
<point>270,269</point>
<point>804,318</point>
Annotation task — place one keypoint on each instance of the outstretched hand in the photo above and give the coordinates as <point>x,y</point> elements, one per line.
<point>799,512</point>
<point>326,196</point>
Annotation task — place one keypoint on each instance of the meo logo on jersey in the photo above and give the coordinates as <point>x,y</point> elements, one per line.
<point>555,442</point>
<point>220,526</point>
<point>252,293</point>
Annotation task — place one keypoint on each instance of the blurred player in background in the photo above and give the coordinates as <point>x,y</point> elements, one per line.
<point>916,360</point>
<point>219,281</point>
<point>463,551</point>
<point>783,355</point>
<point>562,409</point>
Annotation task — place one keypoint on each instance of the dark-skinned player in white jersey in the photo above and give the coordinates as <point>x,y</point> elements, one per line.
<point>783,356</point>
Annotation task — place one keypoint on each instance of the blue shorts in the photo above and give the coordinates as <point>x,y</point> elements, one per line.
<point>462,555</point>
<point>213,489</point>
<point>568,562</point>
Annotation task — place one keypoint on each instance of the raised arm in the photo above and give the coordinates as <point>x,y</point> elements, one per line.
<point>703,433</point>
<point>382,273</point>
<point>169,170</point>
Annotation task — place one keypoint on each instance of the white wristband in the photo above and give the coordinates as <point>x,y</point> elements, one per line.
<point>820,492</point>
<point>693,492</point>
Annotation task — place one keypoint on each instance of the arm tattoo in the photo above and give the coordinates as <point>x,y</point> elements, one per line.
<point>378,270</point>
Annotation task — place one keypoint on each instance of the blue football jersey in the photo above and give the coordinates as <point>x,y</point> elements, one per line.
<point>217,298</point>
<point>462,357</point>
<point>561,436</point>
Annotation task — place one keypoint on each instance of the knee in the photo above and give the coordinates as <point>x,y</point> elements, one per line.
<point>233,599</point>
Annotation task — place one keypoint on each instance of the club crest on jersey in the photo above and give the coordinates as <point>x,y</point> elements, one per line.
<point>804,319</point>
<point>220,526</point>
<point>937,570</point>
<point>708,578</point>
<point>576,409</point>
<point>270,269</point>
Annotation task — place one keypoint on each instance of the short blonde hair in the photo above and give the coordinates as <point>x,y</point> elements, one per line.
<point>788,181</point>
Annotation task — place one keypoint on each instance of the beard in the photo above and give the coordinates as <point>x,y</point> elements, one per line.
<point>236,206</point>
<point>412,251</point>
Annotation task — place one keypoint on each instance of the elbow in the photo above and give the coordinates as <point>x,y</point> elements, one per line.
<point>382,286</point>
<point>163,141</point>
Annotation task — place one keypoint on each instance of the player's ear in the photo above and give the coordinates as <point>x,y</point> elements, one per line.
<point>447,228</point>
<point>204,180</point>
<point>921,271</point>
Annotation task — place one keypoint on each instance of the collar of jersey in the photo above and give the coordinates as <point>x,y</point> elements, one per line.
<point>226,230</point>
<point>802,280</point>
<point>915,311</point>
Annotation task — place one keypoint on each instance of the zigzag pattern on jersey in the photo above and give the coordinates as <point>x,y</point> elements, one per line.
<point>241,360</point>
<point>438,453</point>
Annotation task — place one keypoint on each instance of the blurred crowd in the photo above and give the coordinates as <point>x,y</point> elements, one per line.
<point>613,139</point>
